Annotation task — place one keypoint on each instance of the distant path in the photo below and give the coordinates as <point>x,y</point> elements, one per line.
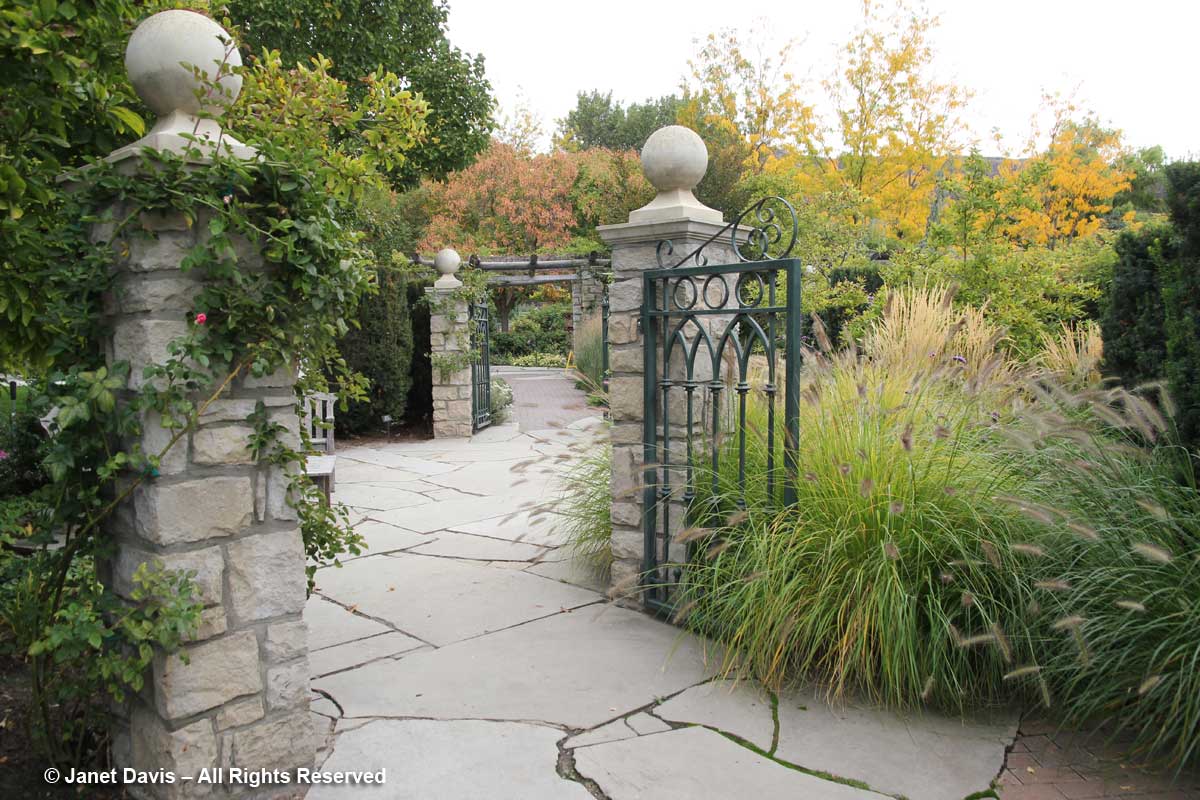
<point>544,398</point>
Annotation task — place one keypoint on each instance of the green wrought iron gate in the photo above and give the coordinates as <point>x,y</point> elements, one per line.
<point>481,368</point>
<point>721,389</point>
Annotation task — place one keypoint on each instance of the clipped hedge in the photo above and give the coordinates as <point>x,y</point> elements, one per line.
<point>1132,324</point>
<point>1181,299</point>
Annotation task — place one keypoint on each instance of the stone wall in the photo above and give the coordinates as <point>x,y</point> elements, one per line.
<point>450,339</point>
<point>586,295</point>
<point>238,692</point>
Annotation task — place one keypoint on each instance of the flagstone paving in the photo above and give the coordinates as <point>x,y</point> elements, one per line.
<point>467,654</point>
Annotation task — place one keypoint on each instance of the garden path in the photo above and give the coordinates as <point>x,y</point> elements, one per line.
<point>467,654</point>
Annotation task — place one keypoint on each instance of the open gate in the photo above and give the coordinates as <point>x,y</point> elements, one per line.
<point>721,345</point>
<point>481,368</point>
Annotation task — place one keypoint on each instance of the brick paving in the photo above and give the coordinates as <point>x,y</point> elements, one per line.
<point>1046,763</point>
<point>544,398</point>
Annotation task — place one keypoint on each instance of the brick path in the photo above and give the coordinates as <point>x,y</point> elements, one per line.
<point>1048,764</point>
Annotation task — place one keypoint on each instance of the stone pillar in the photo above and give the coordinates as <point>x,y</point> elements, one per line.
<point>587,291</point>
<point>674,159</point>
<point>237,694</point>
<point>450,351</point>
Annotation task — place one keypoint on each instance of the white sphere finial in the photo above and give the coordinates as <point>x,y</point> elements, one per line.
<point>674,160</point>
<point>446,262</point>
<point>674,157</point>
<point>162,58</point>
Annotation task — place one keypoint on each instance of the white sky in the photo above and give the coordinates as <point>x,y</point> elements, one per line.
<point>1133,62</point>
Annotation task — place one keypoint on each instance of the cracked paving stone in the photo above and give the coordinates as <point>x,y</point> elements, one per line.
<point>574,571</point>
<point>530,526</point>
<point>693,763</point>
<point>442,600</point>
<point>353,654</point>
<point>577,670</point>
<point>376,498</point>
<point>479,548</point>
<point>330,624</point>
<point>741,708</point>
<point>609,732</point>
<point>451,760</point>
<point>382,537</point>
<point>642,723</point>
<point>923,757</point>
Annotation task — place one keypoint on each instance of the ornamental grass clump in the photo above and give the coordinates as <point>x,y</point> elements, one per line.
<point>894,575</point>
<point>1120,637</point>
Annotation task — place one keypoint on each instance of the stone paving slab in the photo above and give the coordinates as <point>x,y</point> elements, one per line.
<point>453,760</point>
<point>441,600</point>
<point>456,515</point>
<point>925,757</point>
<point>532,526</point>
<point>394,458</point>
<point>382,537</point>
<point>330,624</point>
<point>376,498</point>
<point>694,763</point>
<point>577,670</point>
<point>499,478</point>
<point>479,548</point>
<point>352,654</point>
<point>743,709</point>
<point>572,571</point>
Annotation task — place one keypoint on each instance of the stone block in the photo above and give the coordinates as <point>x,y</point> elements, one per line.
<point>281,743</point>
<point>165,251</point>
<point>155,439</point>
<point>445,392</point>
<point>287,685</point>
<point>286,640</point>
<point>623,328</point>
<point>279,496</point>
<point>224,444</point>
<point>290,420</point>
<point>217,671</point>
<point>192,511</point>
<point>266,575</point>
<point>208,564</point>
<point>240,712</point>
<point>625,295</point>
<point>212,623</point>
<point>626,397</point>
<point>144,341</point>
<point>627,544</point>
<point>280,378</point>
<point>161,292</point>
<point>628,514</point>
<point>165,221</point>
<point>627,359</point>
<point>228,410</point>
<point>185,752</point>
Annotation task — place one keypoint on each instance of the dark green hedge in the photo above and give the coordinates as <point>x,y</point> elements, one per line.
<point>1181,299</point>
<point>1132,324</point>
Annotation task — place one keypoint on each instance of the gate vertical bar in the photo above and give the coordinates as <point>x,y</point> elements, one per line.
<point>649,327</point>
<point>791,392</point>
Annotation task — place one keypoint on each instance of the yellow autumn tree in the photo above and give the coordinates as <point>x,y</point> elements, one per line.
<point>895,128</point>
<point>1074,179</point>
<point>746,93</point>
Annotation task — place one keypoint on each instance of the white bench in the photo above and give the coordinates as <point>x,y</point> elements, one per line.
<point>318,424</point>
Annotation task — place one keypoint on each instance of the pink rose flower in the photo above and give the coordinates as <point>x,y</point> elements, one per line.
<point>201,318</point>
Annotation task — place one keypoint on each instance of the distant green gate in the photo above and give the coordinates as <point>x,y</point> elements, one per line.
<point>481,368</point>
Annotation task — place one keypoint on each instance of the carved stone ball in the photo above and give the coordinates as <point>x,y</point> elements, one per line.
<point>160,48</point>
<point>674,157</point>
<point>446,261</point>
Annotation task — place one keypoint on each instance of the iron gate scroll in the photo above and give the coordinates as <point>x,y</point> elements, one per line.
<point>481,368</point>
<point>713,340</point>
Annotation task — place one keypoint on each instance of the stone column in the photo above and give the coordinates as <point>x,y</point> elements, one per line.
<point>586,294</point>
<point>674,159</point>
<point>450,351</point>
<point>237,694</point>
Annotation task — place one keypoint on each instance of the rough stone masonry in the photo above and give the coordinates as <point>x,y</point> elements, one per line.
<point>237,695</point>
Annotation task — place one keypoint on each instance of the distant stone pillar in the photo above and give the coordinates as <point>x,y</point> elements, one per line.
<point>449,351</point>
<point>674,160</point>
<point>238,693</point>
<point>587,292</point>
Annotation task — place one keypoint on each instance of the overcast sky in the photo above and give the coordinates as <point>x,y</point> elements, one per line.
<point>1133,62</point>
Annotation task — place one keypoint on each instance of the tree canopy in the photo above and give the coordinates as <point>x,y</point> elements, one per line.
<point>406,37</point>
